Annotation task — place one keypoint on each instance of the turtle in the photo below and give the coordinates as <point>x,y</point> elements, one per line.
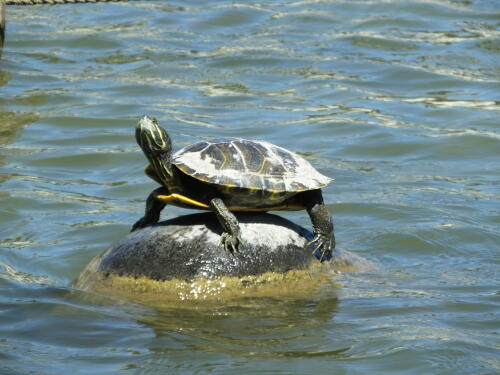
<point>227,175</point>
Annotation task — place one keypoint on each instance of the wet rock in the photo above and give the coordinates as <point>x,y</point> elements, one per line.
<point>188,247</point>
<point>181,259</point>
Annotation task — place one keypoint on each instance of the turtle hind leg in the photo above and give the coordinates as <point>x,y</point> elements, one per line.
<point>324,236</point>
<point>153,209</point>
<point>231,237</point>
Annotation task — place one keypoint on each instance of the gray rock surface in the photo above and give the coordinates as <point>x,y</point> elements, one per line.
<point>189,247</point>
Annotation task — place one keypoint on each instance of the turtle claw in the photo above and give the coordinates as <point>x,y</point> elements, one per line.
<point>322,247</point>
<point>230,242</point>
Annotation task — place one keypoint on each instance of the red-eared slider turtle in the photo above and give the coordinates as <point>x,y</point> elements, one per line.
<point>232,174</point>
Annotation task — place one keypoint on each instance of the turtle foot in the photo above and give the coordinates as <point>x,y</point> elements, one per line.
<point>230,242</point>
<point>322,247</point>
<point>142,223</point>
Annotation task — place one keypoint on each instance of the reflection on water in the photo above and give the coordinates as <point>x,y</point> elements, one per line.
<point>396,100</point>
<point>12,123</point>
<point>10,126</point>
<point>247,327</point>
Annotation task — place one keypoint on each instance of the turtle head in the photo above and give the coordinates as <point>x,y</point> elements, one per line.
<point>156,145</point>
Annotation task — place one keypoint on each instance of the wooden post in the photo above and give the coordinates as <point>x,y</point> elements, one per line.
<point>2,22</point>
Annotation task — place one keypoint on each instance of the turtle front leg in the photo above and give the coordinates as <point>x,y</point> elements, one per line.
<point>153,209</point>
<point>324,237</point>
<point>231,236</point>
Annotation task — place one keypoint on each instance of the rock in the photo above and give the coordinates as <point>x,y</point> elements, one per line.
<point>182,259</point>
<point>189,247</point>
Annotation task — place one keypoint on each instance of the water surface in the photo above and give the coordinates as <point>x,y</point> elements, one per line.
<point>396,100</point>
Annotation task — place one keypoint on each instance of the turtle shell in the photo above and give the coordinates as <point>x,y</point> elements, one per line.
<point>244,163</point>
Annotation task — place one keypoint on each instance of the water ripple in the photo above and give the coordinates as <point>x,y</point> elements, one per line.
<point>396,100</point>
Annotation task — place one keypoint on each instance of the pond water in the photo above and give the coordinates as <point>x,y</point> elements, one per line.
<point>396,100</point>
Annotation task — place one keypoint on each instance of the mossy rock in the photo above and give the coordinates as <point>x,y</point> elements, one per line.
<point>183,258</point>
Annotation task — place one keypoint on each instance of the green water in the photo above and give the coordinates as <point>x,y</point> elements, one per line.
<point>396,100</point>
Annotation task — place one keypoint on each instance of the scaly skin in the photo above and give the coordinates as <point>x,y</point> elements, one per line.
<point>153,209</point>
<point>324,236</point>
<point>230,239</point>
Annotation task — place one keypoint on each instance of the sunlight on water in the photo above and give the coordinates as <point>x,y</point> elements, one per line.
<point>395,100</point>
